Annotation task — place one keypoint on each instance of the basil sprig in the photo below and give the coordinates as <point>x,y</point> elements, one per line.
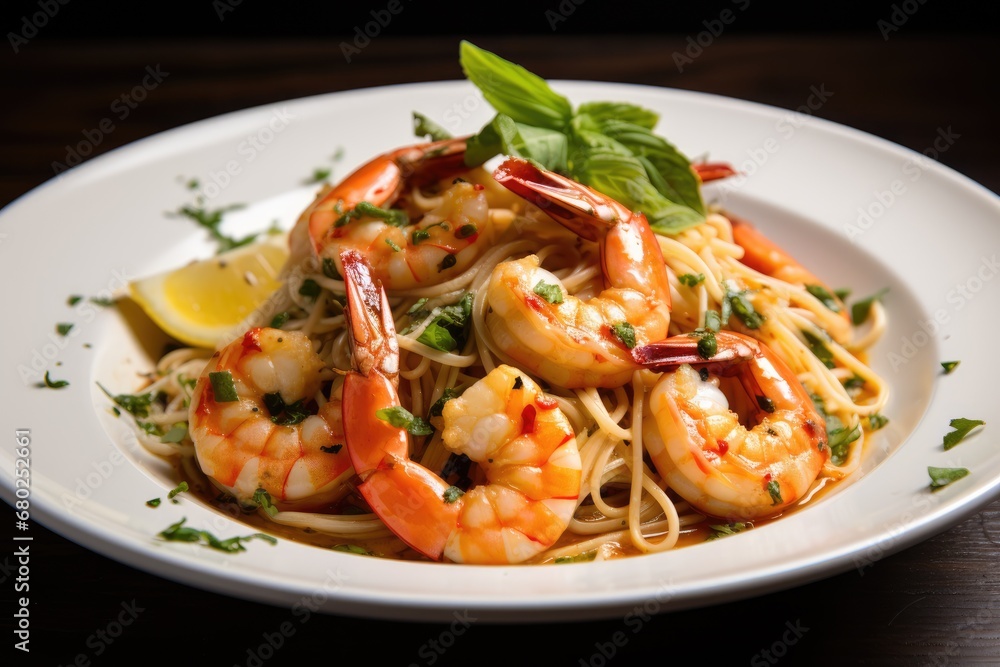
<point>609,146</point>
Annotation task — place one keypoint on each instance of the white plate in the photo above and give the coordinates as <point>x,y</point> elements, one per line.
<point>934,244</point>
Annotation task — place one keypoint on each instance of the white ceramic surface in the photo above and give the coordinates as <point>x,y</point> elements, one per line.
<point>860,211</point>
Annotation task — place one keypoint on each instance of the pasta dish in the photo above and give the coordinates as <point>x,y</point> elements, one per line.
<point>504,365</point>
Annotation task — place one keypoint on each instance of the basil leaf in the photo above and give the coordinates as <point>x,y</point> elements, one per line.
<point>839,440</point>
<point>495,138</point>
<point>961,427</point>
<point>425,127</point>
<point>667,168</point>
<point>513,90</point>
<point>438,406</point>
<point>604,111</point>
<point>176,433</point>
<point>942,477</point>
<point>503,135</point>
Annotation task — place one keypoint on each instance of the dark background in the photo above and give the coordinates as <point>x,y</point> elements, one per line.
<point>924,605</point>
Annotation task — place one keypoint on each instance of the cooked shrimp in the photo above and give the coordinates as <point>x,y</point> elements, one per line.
<point>764,256</point>
<point>263,435</point>
<point>704,452</point>
<point>523,443</point>
<point>429,249</point>
<point>569,341</point>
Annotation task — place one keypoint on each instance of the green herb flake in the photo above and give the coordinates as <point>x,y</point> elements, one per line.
<point>842,293</point>
<point>840,439</point>
<point>942,477</point>
<point>154,502</point>
<point>211,221</point>
<point>392,244</point>
<point>135,404</point>
<point>446,263</point>
<point>177,433</point>
<point>725,530</point>
<point>818,347</point>
<point>262,499</point>
<point>419,235</point>
<point>400,417</point>
<point>104,302</point>
<point>962,428</point>
<point>352,549</point>
<point>551,293</point>
<point>774,489</point>
<point>48,382</point>
<point>73,299</point>
<point>319,175</point>
<point>465,231</point>
<point>438,406</point>
<point>178,532</point>
<point>330,269</point>
<point>180,488</point>
<point>310,288</point>
<point>861,309</point>
<point>854,383</point>
<point>712,321</point>
<point>949,366</point>
<point>691,279</point>
<point>824,296</point>
<point>280,319</point>
<point>877,421</point>
<point>63,328</point>
<point>392,216</point>
<point>743,309</point>
<point>624,332</point>
<point>452,493</point>
<point>437,337</point>
<point>708,346</point>
<point>417,310</point>
<point>223,387</point>
<point>584,557</point>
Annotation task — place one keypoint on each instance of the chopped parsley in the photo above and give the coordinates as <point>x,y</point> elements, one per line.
<point>824,296</point>
<point>942,477</point>
<point>962,428</point>
<point>352,549</point>
<point>223,387</point>
<point>818,347</point>
<point>438,406</point>
<point>178,532</point>
<point>842,293</point>
<point>450,327</point>
<point>180,488</point>
<point>452,493</point>
<point>211,220</point>
<point>63,328</point>
<point>319,175</point>
<point>551,293</point>
<point>419,235</point>
<point>726,529</point>
<point>691,279</point>
<point>262,499</point>
<point>103,301</point>
<point>285,414</point>
<point>838,436</point>
<point>708,346</point>
<point>774,489</point>
<point>737,303</point>
<point>877,421</point>
<point>949,366</point>
<point>465,231</point>
<point>446,263</point>
<point>392,244</point>
<point>279,320</point>
<point>585,557</point>
<point>392,216</point>
<point>861,309</point>
<point>310,288</point>
<point>400,417</point>
<point>73,299</point>
<point>712,320</point>
<point>52,384</point>
<point>153,502</point>
<point>425,127</point>
<point>135,404</point>
<point>330,269</point>
<point>624,332</point>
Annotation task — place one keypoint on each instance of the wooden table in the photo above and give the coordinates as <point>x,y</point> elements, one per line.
<point>935,603</point>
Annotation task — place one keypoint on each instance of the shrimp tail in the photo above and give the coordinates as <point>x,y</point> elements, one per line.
<point>667,355</point>
<point>373,333</point>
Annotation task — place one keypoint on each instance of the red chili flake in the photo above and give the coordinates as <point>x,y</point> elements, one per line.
<point>251,340</point>
<point>723,447</point>
<point>528,419</point>
<point>478,186</point>
<point>767,479</point>
<point>535,302</point>
<point>809,427</point>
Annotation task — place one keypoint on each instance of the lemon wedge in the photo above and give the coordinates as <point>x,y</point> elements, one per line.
<point>200,303</point>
